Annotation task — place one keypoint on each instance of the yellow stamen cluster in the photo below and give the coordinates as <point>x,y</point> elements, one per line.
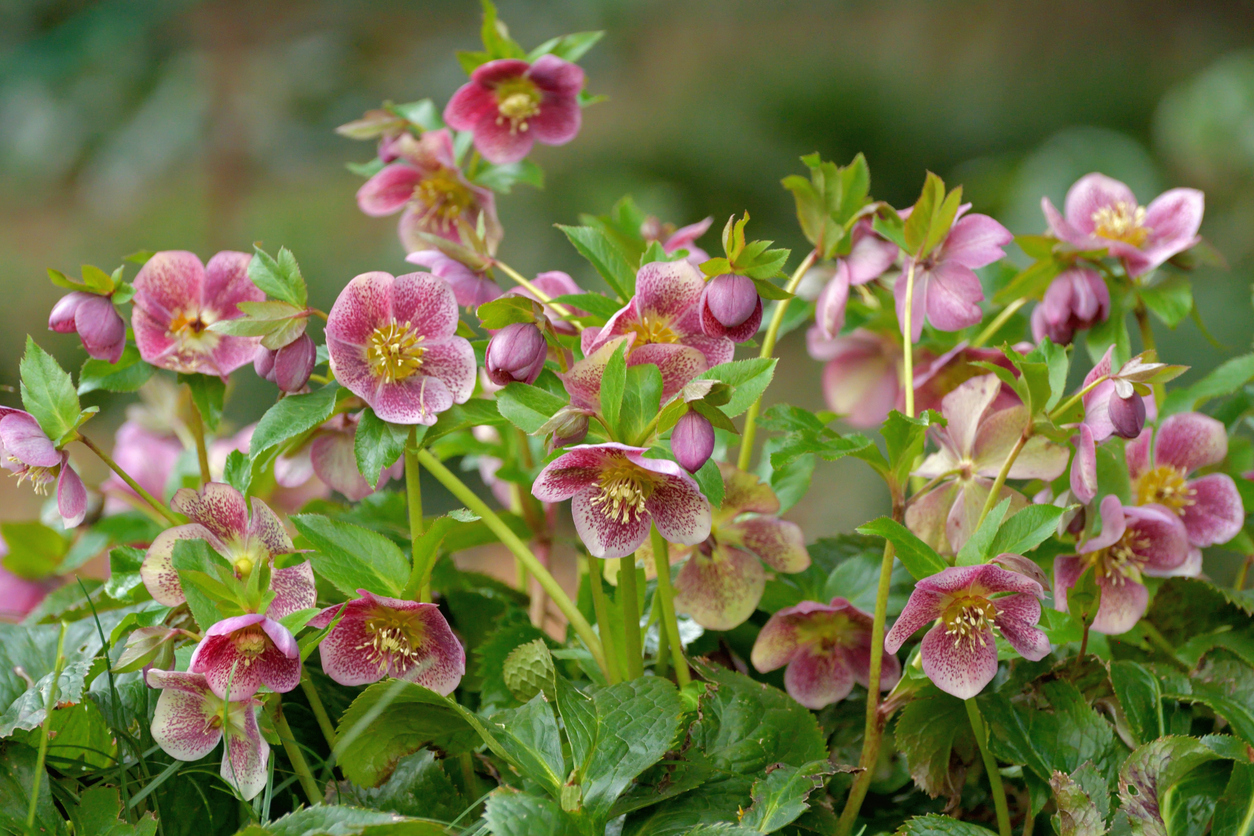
<point>393,640</point>
<point>654,330</point>
<point>624,487</point>
<point>826,631</point>
<point>1121,222</point>
<point>40,477</point>
<point>517,100</point>
<point>444,198</point>
<point>1165,485</point>
<point>969,620</point>
<point>1122,561</point>
<point>250,642</point>
<point>394,351</point>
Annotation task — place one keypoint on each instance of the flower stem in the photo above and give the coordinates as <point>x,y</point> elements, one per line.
<point>907,344</point>
<point>768,347</point>
<point>319,710</point>
<point>539,294</point>
<point>1000,481</point>
<point>295,755</point>
<point>1071,401</point>
<point>990,766</point>
<point>602,609</point>
<point>1239,583</point>
<point>46,730</point>
<point>1161,644</point>
<point>131,483</point>
<point>1148,344</point>
<point>510,540</point>
<point>413,498</point>
<point>1001,319</point>
<point>666,598</point>
<point>629,603</point>
<point>197,427</point>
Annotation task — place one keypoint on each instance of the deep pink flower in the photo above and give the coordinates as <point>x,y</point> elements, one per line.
<point>552,284</point>
<point>1076,300</point>
<point>731,307</point>
<point>685,238</point>
<point>516,353</point>
<point>240,654</point>
<point>934,378</point>
<point>862,378</point>
<point>95,320</point>
<point>330,457</point>
<point>176,300</point>
<point>617,493</point>
<point>1147,539</point>
<point>288,367</point>
<point>378,637</point>
<point>722,582</point>
<point>1209,506</point>
<point>692,440</point>
<point>1112,407</point>
<point>471,287</point>
<point>393,343</point>
<point>1102,213</point>
<point>147,455</point>
<point>946,291</point>
<point>959,653</point>
<point>436,197</point>
<point>190,720</point>
<point>18,596</point>
<point>973,447</point>
<point>29,454</point>
<point>219,516</point>
<point>868,258</point>
<point>827,648</point>
<point>510,104</point>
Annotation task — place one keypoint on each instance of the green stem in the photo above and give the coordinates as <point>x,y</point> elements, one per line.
<point>602,609</point>
<point>1074,399</point>
<point>1161,644</point>
<point>1084,646</point>
<point>768,347</point>
<point>1000,481</point>
<point>510,540</point>
<point>197,426</point>
<point>907,348</point>
<point>413,498</point>
<point>628,600</point>
<point>990,766</point>
<point>296,756</point>
<point>131,483</point>
<point>1148,344</point>
<point>995,326</point>
<point>669,628</point>
<point>319,710</point>
<point>1239,583</point>
<point>538,293</point>
<point>46,730</point>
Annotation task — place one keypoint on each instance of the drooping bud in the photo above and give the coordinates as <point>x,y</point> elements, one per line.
<point>288,367</point>
<point>568,425</point>
<point>1127,415</point>
<point>1076,300</point>
<point>95,320</point>
<point>516,353</point>
<point>692,441</point>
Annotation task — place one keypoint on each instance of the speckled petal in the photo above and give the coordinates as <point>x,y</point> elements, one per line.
<point>157,570</point>
<point>778,543</point>
<point>181,722</point>
<point>335,462</point>
<point>679,364</point>
<point>1189,441</point>
<point>227,284</point>
<point>294,590</point>
<point>961,667</point>
<point>452,362</point>
<point>721,591</point>
<point>1121,607</point>
<point>679,510</point>
<point>1161,538</point>
<point>389,190</point>
<point>363,305</point>
<point>927,516</point>
<point>418,399</point>
<point>169,282</point>
<point>427,302</point>
<point>218,507</point>
<point>1217,513</point>
<point>666,289</point>
<point>574,471</point>
<point>745,493</point>
<point>604,536</point>
<point>1017,617</point>
<point>965,406</point>
<point>22,438</point>
<point>244,761</point>
<point>923,607</point>
<point>583,381</point>
<point>1084,466</point>
<point>817,679</point>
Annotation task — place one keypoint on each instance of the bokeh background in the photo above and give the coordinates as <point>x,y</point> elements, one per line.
<point>169,124</point>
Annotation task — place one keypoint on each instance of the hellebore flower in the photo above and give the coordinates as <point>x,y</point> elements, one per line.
<point>1159,466</point>
<point>1112,407</point>
<point>288,367</point>
<point>471,287</point>
<point>946,291</point>
<point>95,320</point>
<point>692,440</point>
<point>330,457</point>
<point>1076,300</point>
<point>731,307</point>
<point>436,197</point>
<point>219,516</point>
<point>510,104</point>
<point>553,283</point>
<point>827,648</point>
<point>190,720</point>
<point>959,653</point>
<point>868,258</point>
<point>665,318</point>
<point>177,299</point>
<point>616,493</point>
<point>393,343</point>
<point>378,637</point>
<point>569,425</point>
<point>29,454</point>
<point>936,378</point>
<point>1147,539</point>
<point>685,237</point>
<point>240,654</point>
<point>973,448</point>
<point>861,380</point>
<point>516,353</point>
<point>722,582</point>
<point>1102,213</point>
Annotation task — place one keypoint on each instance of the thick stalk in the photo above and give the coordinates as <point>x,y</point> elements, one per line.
<point>538,293</point>
<point>669,628</point>
<point>907,343</point>
<point>319,710</point>
<point>990,766</point>
<point>131,483</point>
<point>46,730</point>
<point>296,756</point>
<point>768,347</point>
<point>1148,344</point>
<point>629,604</point>
<point>995,326</point>
<point>510,540</point>
<point>413,498</point>
<point>602,609</point>
<point>1000,481</point>
<point>197,427</point>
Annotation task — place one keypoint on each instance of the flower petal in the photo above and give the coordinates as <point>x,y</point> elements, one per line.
<point>1121,607</point>
<point>426,302</point>
<point>452,363</point>
<point>441,659</point>
<point>244,761</point>
<point>557,122</point>
<point>720,591</point>
<point>1137,453</point>
<point>975,241</point>
<point>1173,219</point>
<point>1190,440</point>
<point>953,296</point>
<point>918,300</point>
<point>227,284</point>
<point>607,536</point>
<point>1084,466</point>
<point>22,437</point>
<point>959,666</point>
<point>927,516</point>
<point>965,406</point>
<point>583,381</point>
<point>157,570</point>
<point>364,304</point>
<point>778,543</point>
<point>1090,193</point>
<point>779,639</point>
<point>1113,526</point>
<point>468,105</point>
<point>556,76</point>
<point>829,315</point>
<point>181,722</point>
<point>1160,538</point>
<point>817,679</point>
<point>1017,617</point>
<point>265,528</point>
<point>1217,513</point>
<point>679,510</point>
<point>218,507</point>
<point>170,282</point>
<point>678,364</point>
<point>335,462</point>
<point>575,470</point>
<point>389,190</point>
<point>294,590</point>
<point>666,289</point>
<point>418,399</point>
<point>922,608</point>
<point>745,493</point>
<point>71,496</point>
<point>500,142</point>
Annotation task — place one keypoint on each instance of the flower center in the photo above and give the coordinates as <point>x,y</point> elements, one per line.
<point>1122,561</point>
<point>825,632</point>
<point>190,331</point>
<point>623,491</point>
<point>443,196</point>
<point>1121,222</point>
<point>394,351</point>
<point>970,619</point>
<point>517,100</point>
<point>250,643</point>
<point>1165,485</point>
<point>392,641</point>
<point>40,477</point>
<point>654,329</point>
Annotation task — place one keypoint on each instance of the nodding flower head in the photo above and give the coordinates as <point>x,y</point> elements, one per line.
<point>28,453</point>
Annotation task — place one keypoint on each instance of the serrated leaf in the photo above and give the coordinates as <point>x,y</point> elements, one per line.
<point>748,379</point>
<point>377,446</point>
<point>352,557</point>
<point>920,559</point>
<point>780,798</point>
<point>238,472</point>
<point>279,277</point>
<point>290,417</point>
<point>928,732</point>
<point>934,825</point>
<point>1229,377</point>
<point>48,392</point>
<point>127,375</point>
<point>595,246</point>
<point>527,407</point>
<point>977,549</point>
<point>1026,529</point>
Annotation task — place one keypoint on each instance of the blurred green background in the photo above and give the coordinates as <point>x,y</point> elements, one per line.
<point>167,124</point>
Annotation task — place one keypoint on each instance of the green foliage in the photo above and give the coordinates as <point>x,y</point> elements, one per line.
<point>351,557</point>
<point>606,258</point>
<point>830,201</point>
<point>419,786</point>
<point>49,395</point>
<point>920,559</point>
<point>127,375</point>
<point>748,379</point>
<point>289,418</point>
<point>279,277</point>
<point>935,736</point>
<point>527,407</point>
<point>377,445</point>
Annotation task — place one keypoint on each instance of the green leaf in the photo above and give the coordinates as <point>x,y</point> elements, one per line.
<point>1031,282</point>
<point>527,407</point>
<point>903,439</point>
<point>594,303</point>
<point>510,812</point>
<point>920,559</point>
<point>1170,300</point>
<point>1141,697</point>
<point>710,480</point>
<point>35,551</point>
<point>279,278</point>
<point>529,735</point>
<point>209,395</point>
<point>977,549</point>
<point>194,559</point>
<point>1229,377</point>
<point>507,310</point>
<point>1149,775</point>
<point>48,392</point>
<point>748,379</point>
<point>1026,529</point>
<point>780,797</point>
<point>127,375</point>
<point>570,47</point>
<point>642,399</point>
<point>503,178</point>
<point>378,445</point>
<point>595,246</point>
<point>613,384</point>
<point>1083,802</point>
<point>340,820</point>
<point>934,734</point>
<point>1234,812</point>
<point>238,471</point>
<point>352,557</point>
<point>934,825</point>
<point>419,786</point>
<point>473,413</point>
<point>919,225</point>
<point>290,417</point>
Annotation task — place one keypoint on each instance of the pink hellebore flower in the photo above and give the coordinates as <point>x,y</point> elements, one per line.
<point>288,367</point>
<point>685,238</point>
<point>973,447</point>
<point>330,457</point>
<point>510,104</point>
<point>240,654</point>
<point>731,307</point>
<point>936,378</point>
<point>827,648</point>
<point>868,258</point>
<point>190,720</point>
<point>1076,300</point>
<point>393,343</point>
<point>1112,407</point>
<point>471,287</point>
<point>378,637</point>
<point>861,380</point>
<point>617,493</point>
<point>553,283</point>
<point>176,300</point>
<point>722,582</point>
<point>1159,465</point>
<point>436,197</point>
<point>1147,539</point>
<point>95,320</point>
<point>30,454</point>
<point>946,291</point>
<point>1102,213</point>
<point>968,603</point>
<point>219,516</point>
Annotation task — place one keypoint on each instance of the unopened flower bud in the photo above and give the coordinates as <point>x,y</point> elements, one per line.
<point>95,320</point>
<point>1076,300</point>
<point>1127,415</point>
<point>516,353</point>
<point>731,307</point>
<point>288,367</point>
<point>692,441</point>
<point>568,425</point>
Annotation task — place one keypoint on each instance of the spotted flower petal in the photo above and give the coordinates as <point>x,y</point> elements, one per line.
<point>242,653</point>
<point>157,570</point>
<point>720,591</point>
<point>960,668</point>
<point>182,723</point>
